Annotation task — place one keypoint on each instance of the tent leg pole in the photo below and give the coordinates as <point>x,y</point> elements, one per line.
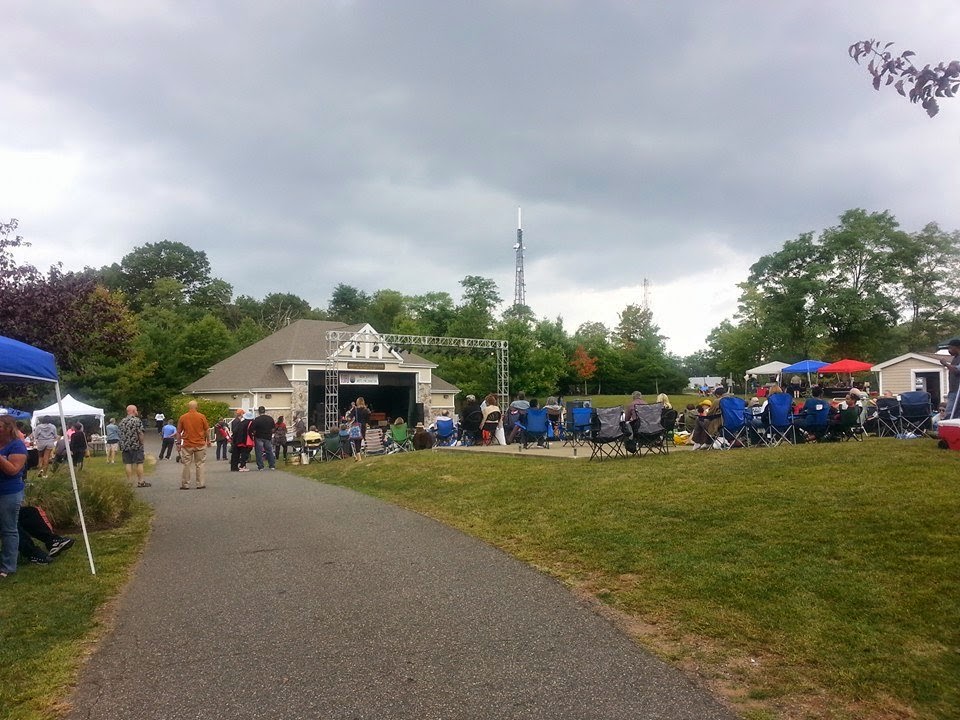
<point>73,480</point>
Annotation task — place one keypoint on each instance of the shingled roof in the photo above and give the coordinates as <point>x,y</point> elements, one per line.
<point>257,367</point>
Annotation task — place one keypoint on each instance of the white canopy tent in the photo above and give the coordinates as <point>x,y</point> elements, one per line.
<point>771,368</point>
<point>72,408</point>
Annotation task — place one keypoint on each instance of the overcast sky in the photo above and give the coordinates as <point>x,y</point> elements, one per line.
<point>388,144</point>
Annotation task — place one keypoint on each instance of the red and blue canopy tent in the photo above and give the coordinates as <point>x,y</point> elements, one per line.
<point>20,362</point>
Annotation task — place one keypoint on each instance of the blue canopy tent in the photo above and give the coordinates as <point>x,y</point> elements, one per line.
<point>14,413</point>
<point>20,362</point>
<point>804,366</point>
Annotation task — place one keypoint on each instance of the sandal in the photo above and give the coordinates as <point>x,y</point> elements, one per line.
<point>144,484</point>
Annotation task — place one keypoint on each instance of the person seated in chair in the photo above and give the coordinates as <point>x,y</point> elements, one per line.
<point>422,440</point>
<point>814,418</point>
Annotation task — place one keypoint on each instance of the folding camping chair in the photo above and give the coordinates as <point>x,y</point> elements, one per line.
<point>888,417</point>
<point>735,421</point>
<point>647,430</point>
<point>847,427</point>
<point>916,412</point>
<point>779,423</point>
<point>446,435</point>
<point>536,427</point>
<point>579,422</point>
<point>815,422</point>
<point>488,431</point>
<point>330,448</point>
<point>606,433</point>
<point>312,444</point>
<point>400,437</point>
<point>471,428</point>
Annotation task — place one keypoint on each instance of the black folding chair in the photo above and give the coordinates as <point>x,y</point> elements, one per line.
<point>888,417</point>
<point>648,432</point>
<point>607,434</point>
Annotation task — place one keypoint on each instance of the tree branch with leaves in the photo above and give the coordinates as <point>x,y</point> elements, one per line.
<point>926,85</point>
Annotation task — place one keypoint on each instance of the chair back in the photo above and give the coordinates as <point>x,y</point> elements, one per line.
<point>493,419</point>
<point>888,407</point>
<point>331,443</point>
<point>916,404</point>
<point>536,420</point>
<point>582,418</point>
<point>668,418</point>
<point>733,409</point>
<point>472,421</point>
<point>648,419</point>
<point>781,409</point>
<point>444,427</point>
<point>608,425</point>
<point>400,433</point>
<point>819,412</point>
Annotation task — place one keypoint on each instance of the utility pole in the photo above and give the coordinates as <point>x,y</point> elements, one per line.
<point>519,285</point>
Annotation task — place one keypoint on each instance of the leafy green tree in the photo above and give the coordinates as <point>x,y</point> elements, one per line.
<point>387,310</point>
<point>927,264</point>
<point>348,305</point>
<point>140,270</point>
<point>432,313</point>
<point>474,315</point>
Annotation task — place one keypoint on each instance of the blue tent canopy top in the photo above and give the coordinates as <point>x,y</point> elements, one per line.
<point>22,362</point>
<point>804,366</point>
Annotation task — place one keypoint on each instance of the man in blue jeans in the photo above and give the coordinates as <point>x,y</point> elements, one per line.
<point>13,461</point>
<point>262,427</point>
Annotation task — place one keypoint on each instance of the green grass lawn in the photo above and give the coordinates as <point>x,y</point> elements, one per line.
<point>50,615</point>
<point>811,581</point>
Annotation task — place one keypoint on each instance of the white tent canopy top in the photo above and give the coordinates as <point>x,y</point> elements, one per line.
<point>72,408</point>
<point>771,368</point>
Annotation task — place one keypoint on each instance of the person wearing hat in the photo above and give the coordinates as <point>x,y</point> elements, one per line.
<point>708,425</point>
<point>422,440</point>
<point>952,363</point>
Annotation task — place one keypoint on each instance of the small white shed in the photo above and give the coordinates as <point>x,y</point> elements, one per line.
<point>913,371</point>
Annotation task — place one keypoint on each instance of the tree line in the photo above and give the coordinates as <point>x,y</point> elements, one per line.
<point>863,289</point>
<point>141,329</point>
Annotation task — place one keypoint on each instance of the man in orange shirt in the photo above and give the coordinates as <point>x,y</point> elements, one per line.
<point>193,432</point>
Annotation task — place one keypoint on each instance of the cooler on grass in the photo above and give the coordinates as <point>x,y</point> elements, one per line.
<point>950,433</point>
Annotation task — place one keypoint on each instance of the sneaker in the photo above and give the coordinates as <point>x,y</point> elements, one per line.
<point>61,544</point>
<point>40,559</point>
<point>244,469</point>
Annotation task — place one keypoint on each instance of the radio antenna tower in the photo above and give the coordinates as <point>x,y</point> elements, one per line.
<point>646,294</point>
<point>519,285</point>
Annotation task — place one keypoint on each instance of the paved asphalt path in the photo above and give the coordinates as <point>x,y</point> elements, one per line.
<point>270,596</point>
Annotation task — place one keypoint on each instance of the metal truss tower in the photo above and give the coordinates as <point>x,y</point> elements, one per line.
<point>337,340</point>
<point>519,285</point>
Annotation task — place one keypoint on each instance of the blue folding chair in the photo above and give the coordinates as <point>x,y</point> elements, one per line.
<point>815,419</point>
<point>446,435</point>
<point>579,421</point>
<point>536,427</point>
<point>735,423</point>
<point>780,419</point>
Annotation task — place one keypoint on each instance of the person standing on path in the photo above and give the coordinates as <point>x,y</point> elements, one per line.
<point>159,418</point>
<point>13,461</point>
<point>113,440</point>
<point>262,427</point>
<point>239,452</point>
<point>169,433</point>
<point>131,445</point>
<point>44,440</point>
<point>222,431</point>
<point>193,431</point>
